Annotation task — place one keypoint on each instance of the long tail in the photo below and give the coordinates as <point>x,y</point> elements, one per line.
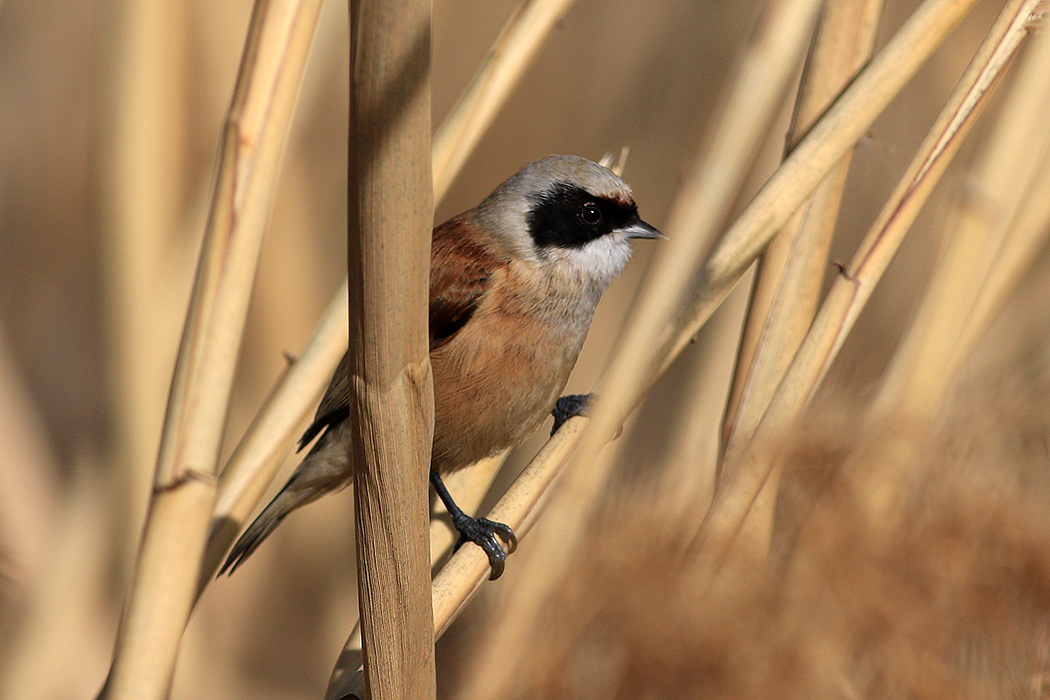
<point>324,470</point>
<point>271,516</point>
<point>298,491</point>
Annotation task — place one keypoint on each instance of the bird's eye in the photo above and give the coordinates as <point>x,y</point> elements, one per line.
<point>591,214</point>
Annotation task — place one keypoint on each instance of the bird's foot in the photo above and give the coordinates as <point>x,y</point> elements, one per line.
<point>483,532</point>
<point>480,531</point>
<point>569,406</point>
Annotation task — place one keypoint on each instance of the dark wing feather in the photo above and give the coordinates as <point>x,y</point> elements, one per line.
<point>460,273</point>
<point>335,406</point>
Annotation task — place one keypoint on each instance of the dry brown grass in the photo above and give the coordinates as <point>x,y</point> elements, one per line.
<point>951,599</point>
<point>907,538</point>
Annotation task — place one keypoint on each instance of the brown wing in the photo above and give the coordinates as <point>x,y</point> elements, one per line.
<point>460,271</point>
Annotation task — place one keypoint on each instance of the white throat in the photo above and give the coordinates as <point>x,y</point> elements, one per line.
<point>591,268</point>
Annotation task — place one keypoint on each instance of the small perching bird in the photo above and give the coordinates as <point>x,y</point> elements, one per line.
<point>513,287</point>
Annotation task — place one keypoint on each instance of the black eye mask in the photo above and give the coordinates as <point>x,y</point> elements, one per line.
<point>568,216</point>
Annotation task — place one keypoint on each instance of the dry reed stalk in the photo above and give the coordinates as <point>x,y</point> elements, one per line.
<point>256,458</point>
<point>470,487</point>
<point>142,214</point>
<point>169,560</point>
<point>528,27</point>
<point>852,288</point>
<point>314,367</point>
<point>389,377</point>
<point>468,568</point>
<point>999,183</point>
<point>791,270</point>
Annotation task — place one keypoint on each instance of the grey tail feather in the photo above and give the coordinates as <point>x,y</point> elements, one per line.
<point>258,531</point>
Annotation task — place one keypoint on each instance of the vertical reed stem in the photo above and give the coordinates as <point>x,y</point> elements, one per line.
<point>391,390</point>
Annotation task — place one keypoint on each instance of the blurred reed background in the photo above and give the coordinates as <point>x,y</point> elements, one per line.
<point>111,115</point>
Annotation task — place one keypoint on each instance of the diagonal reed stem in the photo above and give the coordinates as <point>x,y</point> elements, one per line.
<point>526,30</point>
<point>169,559</point>
<point>852,288</point>
<point>997,188</point>
<point>791,271</point>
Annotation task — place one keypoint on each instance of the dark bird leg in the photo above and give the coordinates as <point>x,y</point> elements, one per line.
<point>480,531</point>
<point>569,406</point>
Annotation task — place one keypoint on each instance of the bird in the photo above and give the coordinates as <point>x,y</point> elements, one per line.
<point>514,284</point>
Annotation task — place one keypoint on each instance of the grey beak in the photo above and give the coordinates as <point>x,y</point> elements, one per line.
<point>640,229</point>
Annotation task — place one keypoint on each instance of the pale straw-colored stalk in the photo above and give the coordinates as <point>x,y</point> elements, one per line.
<point>390,385</point>
<point>791,271</point>
<point>998,223</point>
<point>142,252</point>
<point>260,451</point>
<point>852,288</point>
<point>986,206</point>
<point>183,496</point>
<point>525,32</point>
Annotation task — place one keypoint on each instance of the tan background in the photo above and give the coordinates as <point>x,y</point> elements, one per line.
<point>80,408</point>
